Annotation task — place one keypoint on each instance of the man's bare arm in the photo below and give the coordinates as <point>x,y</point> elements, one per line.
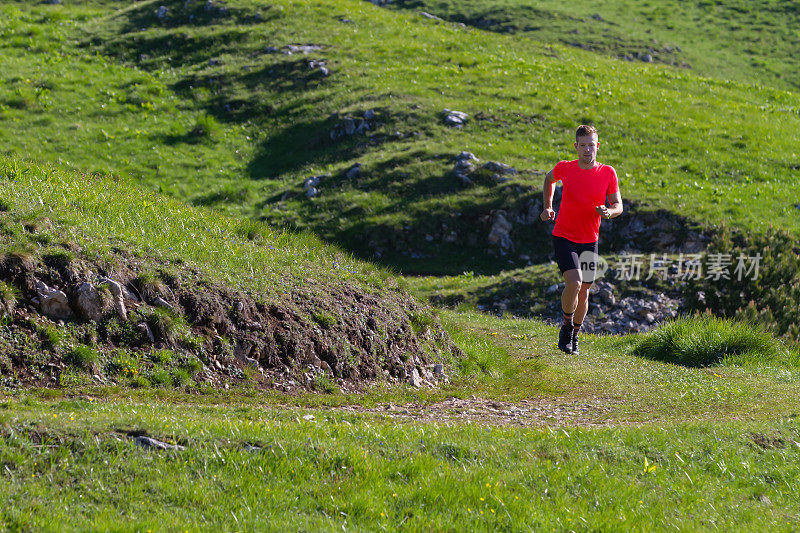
<point>614,208</point>
<point>548,189</point>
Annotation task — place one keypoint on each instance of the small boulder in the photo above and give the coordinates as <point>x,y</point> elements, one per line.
<point>153,444</point>
<point>53,303</point>
<point>415,378</point>
<point>500,235</point>
<point>89,303</point>
<point>161,12</point>
<point>118,294</point>
<point>145,331</point>
<point>454,119</point>
<point>500,168</point>
<point>353,172</point>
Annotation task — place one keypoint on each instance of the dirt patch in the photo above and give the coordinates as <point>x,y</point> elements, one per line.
<point>584,412</point>
<point>768,442</point>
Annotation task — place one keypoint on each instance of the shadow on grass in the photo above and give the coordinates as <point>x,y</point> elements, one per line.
<point>178,13</point>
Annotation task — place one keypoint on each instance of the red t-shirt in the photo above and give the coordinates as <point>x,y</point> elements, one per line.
<point>583,190</point>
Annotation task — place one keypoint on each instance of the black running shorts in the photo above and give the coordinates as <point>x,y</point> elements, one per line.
<point>567,253</point>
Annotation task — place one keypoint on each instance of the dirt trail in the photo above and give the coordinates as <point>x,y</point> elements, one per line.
<point>583,412</point>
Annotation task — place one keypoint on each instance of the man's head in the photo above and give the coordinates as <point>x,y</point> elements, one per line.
<point>586,145</point>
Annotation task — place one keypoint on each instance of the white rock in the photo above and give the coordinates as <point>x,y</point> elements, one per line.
<point>415,379</point>
<point>88,302</point>
<point>53,302</point>
<point>499,235</point>
<point>118,293</point>
<point>162,303</point>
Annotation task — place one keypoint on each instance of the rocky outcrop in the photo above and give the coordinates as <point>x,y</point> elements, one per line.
<point>362,336</point>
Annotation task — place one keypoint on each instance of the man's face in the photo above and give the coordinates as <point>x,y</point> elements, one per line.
<point>587,149</point>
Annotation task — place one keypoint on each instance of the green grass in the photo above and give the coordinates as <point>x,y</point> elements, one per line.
<point>707,341</point>
<point>71,462</point>
<point>82,356</point>
<point>713,147</point>
<point>100,213</point>
<point>734,39</point>
<point>100,89</point>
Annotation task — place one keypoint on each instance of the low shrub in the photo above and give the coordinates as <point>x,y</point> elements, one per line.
<point>322,383</point>
<point>180,377</point>
<point>190,363</point>
<point>162,357</point>
<point>705,340</point>
<point>160,378</point>
<point>206,126</point>
<point>123,364</point>
<point>52,337</point>
<point>771,299</point>
<point>139,382</point>
<point>421,322</point>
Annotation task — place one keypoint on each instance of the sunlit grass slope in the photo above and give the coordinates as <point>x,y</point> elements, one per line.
<point>98,214</point>
<point>745,40</point>
<point>199,108</point>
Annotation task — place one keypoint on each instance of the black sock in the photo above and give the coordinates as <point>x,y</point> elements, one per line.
<point>576,328</point>
<point>568,318</point>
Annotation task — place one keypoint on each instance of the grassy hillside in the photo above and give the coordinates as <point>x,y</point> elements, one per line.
<point>101,282</point>
<point>261,378</point>
<point>205,105</point>
<point>747,41</point>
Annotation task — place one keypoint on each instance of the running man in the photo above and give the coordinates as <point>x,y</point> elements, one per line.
<point>587,187</point>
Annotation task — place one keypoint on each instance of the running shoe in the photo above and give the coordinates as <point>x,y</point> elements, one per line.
<point>575,350</point>
<point>564,339</point>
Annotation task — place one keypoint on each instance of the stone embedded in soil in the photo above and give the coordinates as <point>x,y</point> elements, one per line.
<point>89,303</point>
<point>499,235</point>
<point>415,379</point>
<point>453,118</point>
<point>53,303</point>
<point>154,444</point>
<point>353,172</point>
<point>146,332</point>
<point>118,297</point>
<point>158,301</point>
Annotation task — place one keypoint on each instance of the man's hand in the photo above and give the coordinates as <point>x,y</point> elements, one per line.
<point>548,214</point>
<point>603,211</point>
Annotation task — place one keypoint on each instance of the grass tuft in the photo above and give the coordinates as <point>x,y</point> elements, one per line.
<point>8,297</point>
<point>82,356</point>
<point>706,340</point>
<point>324,319</point>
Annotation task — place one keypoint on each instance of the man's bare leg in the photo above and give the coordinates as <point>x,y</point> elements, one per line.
<point>583,303</point>
<point>580,313</point>
<point>569,302</point>
<point>569,298</point>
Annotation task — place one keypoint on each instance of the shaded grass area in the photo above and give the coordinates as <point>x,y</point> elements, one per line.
<point>73,463</point>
